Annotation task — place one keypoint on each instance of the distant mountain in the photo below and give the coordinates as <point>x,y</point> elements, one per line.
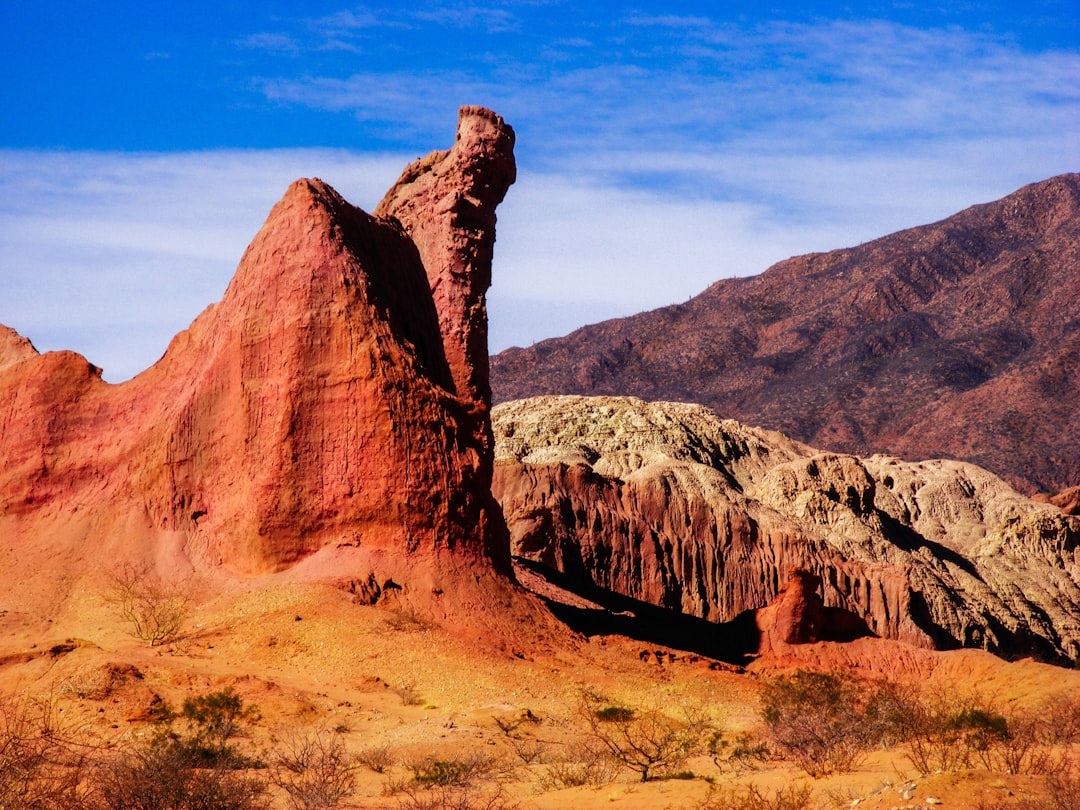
<point>959,339</point>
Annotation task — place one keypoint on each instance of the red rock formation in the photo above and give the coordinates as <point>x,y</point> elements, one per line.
<point>328,415</point>
<point>797,615</point>
<point>1068,500</point>
<point>446,203</point>
<point>668,504</point>
<point>959,339</point>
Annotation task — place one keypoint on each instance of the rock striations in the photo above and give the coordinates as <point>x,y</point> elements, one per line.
<point>959,339</point>
<point>329,416</point>
<point>668,504</point>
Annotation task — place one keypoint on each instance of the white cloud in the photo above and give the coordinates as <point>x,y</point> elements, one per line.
<point>111,254</point>
<point>639,184</point>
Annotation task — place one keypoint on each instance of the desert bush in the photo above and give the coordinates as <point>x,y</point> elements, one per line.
<point>455,797</point>
<point>162,777</point>
<point>827,722</point>
<point>949,733</point>
<point>646,741</point>
<point>42,764</point>
<point>378,758</point>
<point>1061,791</point>
<point>409,694</point>
<point>433,772</point>
<point>752,797</point>
<point>208,723</point>
<point>1060,716</point>
<point>155,610</point>
<point>1022,749</point>
<point>528,749</point>
<point>584,764</point>
<point>189,763</point>
<point>744,753</point>
<point>313,768</point>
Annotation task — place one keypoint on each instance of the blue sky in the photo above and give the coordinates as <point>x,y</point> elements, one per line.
<point>660,146</point>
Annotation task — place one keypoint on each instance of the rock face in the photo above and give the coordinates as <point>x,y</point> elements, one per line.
<point>668,504</point>
<point>954,340</point>
<point>329,415</point>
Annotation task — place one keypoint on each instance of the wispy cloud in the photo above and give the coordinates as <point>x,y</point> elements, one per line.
<point>837,86</point>
<point>656,154</point>
<point>276,43</point>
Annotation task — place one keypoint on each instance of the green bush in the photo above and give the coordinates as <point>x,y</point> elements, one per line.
<point>189,763</point>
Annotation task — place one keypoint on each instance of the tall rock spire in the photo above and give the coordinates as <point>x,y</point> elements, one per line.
<point>446,203</point>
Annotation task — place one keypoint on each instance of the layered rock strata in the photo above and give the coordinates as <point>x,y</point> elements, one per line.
<point>329,415</point>
<point>671,505</point>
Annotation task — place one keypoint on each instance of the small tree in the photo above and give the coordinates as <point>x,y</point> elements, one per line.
<point>647,742</point>
<point>154,609</point>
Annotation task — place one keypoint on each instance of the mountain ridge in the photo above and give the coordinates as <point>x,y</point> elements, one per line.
<point>958,339</point>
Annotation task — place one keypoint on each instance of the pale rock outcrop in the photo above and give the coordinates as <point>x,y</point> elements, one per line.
<point>669,504</point>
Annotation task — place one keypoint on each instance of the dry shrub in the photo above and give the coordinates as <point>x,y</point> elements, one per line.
<point>160,777</point>
<point>949,733</point>
<point>1062,791</point>
<point>1060,716</point>
<point>42,764</point>
<point>752,797</point>
<point>646,741</point>
<point>313,768</point>
<point>434,772</point>
<point>454,797</point>
<point>452,784</point>
<point>528,749</point>
<point>190,762</point>
<point>828,722</point>
<point>154,609</point>
<point>378,758</point>
<point>584,764</point>
<point>744,753</point>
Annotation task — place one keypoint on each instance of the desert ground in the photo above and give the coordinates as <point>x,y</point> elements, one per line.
<point>399,691</point>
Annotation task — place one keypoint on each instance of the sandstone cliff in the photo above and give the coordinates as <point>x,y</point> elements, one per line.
<point>959,339</point>
<point>328,416</point>
<point>669,504</point>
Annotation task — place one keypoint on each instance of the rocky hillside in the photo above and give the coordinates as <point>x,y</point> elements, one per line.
<point>959,339</point>
<point>328,417</point>
<point>670,505</point>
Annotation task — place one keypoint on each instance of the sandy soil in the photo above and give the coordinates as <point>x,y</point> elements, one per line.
<point>308,656</point>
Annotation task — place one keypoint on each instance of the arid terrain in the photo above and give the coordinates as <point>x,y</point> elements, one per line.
<point>300,562</point>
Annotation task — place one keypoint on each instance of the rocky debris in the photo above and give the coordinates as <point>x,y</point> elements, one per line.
<point>328,417</point>
<point>668,504</point>
<point>959,339</point>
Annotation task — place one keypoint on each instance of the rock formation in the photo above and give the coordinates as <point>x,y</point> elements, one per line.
<point>329,416</point>
<point>668,504</point>
<point>954,340</point>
